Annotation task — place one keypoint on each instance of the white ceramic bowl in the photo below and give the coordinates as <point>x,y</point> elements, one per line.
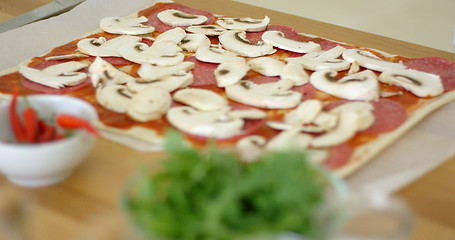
<point>36,165</point>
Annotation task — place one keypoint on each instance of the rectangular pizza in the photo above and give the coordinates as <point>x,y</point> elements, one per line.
<point>243,82</point>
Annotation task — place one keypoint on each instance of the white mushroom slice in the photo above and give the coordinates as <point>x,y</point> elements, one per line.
<point>364,110</point>
<point>151,73</point>
<point>390,94</point>
<point>115,98</point>
<point>323,60</point>
<point>267,66</point>
<point>275,95</point>
<point>250,148</point>
<point>283,126</point>
<point>244,24</point>
<point>277,39</point>
<point>305,113</point>
<point>346,128</point>
<point>369,60</point>
<point>216,55</point>
<point>289,139</point>
<point>208,30</point>
<point>211,124</point>
<point>237,42</point>
<point>66,56</point>
<point>360,86</point>
<point>419,83</point>
<point>176,18</point>
<point>104,74</point>
<point>150,104</point>
<point>201,99</point>
<point>103,48</point>
<point>193,41</point>
<point>294,71</point>
<point>131,26</point>
<point>229,73</point>
<point>175,35</point>
<point>56,76</point>
<point>165,53</point>
<point>355,68</point>
<point>325,121</point>
<point>322,56</point>
<point>247,114</point>
<point>170,82</point>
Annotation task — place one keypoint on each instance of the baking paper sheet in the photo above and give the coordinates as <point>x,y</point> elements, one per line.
<point>426,146</point>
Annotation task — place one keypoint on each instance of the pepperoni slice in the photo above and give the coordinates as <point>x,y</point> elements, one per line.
<point>307,90</point>
<point>152,12</point>
<point>291,33</point>
<point>203,72</point>
<point>436,65</point>
<point>327,45</point>
<point>338,156</point>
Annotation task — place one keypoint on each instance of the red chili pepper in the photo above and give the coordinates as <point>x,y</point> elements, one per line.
<point>31,124</point>
<point>69,121</point>
<point>15,121</point>
<point>46,133</point>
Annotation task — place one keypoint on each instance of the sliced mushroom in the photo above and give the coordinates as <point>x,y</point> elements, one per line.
<point>267,66</point>
<point>103,48</point>
<point>305,113</point>
<point>325,121</point>
<point>229,73</point>
<point>66,56</point>
<point>321,60</point>
<point>104,74</point>
<point>360,86</point>
<point>250,148</point>
<point>115,98</point>
<point>355,68</point>
<point>364,110</point>
<point>277,39</point>
<point>151,73</point>
<point>170,82</point>
<point>288,140</point>
<point>294,72</point>
<point>177,18</point>
<point>131,26</point>
<point>244,24</point>
<point>193,41</point>
<point>345,130</point>
<point>164,53</point>
<point>211,124</point>
<point>237,42</point>
<point>216,55</point>
<point>175,35</point>
<point>275,95</point>
<point>201,99</point>
<point>56,76</point>
<point>150,104</point>
<point>419,83</point>
<point>208,30</point>
<point>247,114</point>
<point>369,60</point>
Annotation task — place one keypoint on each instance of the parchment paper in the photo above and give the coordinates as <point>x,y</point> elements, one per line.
<point>426,146</point>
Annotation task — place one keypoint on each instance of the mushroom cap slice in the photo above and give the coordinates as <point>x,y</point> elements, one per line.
<point>56,76</point>
<point>320,60</point>
<point>170,82</point>
<point>177,18</point>
<point>175,35</point>
<point>369,60</point>
<point>211,124</point>
<point>149,104</point>
<point>131,26</point>
<point>250,148</point>
<point>275,95</point>
<point>115,98</point>
<point>229,73</point>
<point>289,139</point>
<point>360,86</point>
<point>152,73</point>
<point>237,42</point>
<point>267,66</point>
<point>100,47</point>
<point>193,41</point>
<point>104,74</point>
<point>165,53</point>
<point>244,24</point>
<point>277,39</point>
<point>421,84</point>
<point>208,30</point>
<point>346,128</point>
<point>247,114</point>
<point>294,72</point>
<point>216,55</point>
<point>201,99</point>
<point>305,113</point>
<point>364,110</point>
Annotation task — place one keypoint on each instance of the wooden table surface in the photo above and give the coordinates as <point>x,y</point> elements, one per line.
<point>86,205</point>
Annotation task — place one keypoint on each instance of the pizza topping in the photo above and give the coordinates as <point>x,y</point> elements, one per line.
<point>170,83</point>
<point>419,83</point>
<point>289,139</point>
<point>150,104</point>
<point>175,35</point>
<point>216,55</point>
<point>267,66</point>
<point>250,148</point>
<point>104,74</point>
<point>305,113</point>
<point>360,86</point>
<point>323,60</point>
<point>274,95</point>
<point>369,60</point>
<point>103,48</point>
<point>244,24</point>
<point>56,76</point>
<point>277,39</point>
<point>164,53</point>
<point>209,30</point>
<point>364,110</point>
<point>131,26</point>
<point>237,42</point>
<point>294,71</point>
<point>247,114</point>
<point>201,99</point>
<point>229,73</point>
<point>346,128</point>
<point>193,41</point>
<point>65,57</point>
<point>177,18</point>
<point>150,72</point>
<point>115,97</point>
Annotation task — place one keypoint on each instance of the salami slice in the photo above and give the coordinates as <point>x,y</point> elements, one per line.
<point>307,90</point>
<point>436,65</point>
<point>338,156</point>
<point>152,12</point>
<point>203,72</point>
